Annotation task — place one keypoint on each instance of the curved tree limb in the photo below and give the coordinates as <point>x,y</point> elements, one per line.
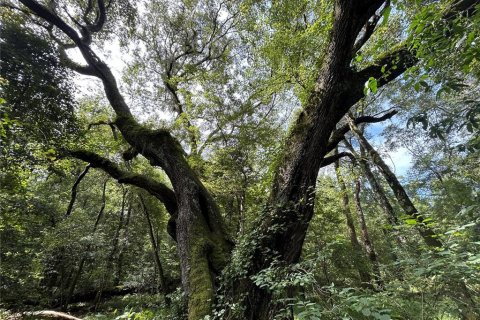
<point>97,66</point>
<point>198,216</point>
<point>155,188</point>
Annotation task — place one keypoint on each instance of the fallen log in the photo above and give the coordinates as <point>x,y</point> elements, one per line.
<point>45,314</point>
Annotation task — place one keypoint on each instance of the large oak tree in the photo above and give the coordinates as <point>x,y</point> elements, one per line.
<point>179,48</point>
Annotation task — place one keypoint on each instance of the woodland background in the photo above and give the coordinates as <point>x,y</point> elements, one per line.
<point>81,239</point>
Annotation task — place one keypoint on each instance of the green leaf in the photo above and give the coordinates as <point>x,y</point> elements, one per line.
<point>371,85</point>
<point>410,221</point>
<point>386,15</point>
<point>366,312</point>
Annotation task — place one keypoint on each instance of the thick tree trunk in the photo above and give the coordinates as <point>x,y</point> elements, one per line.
<point>407,205</point>
<point>284,224</point>
<point>202,241</point>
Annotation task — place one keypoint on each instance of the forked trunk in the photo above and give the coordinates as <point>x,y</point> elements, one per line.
<point>202,241</point>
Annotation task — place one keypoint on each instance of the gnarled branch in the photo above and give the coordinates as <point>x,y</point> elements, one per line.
<point>155,188</point>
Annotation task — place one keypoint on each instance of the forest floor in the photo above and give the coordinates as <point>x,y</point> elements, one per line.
<point>130,307</point>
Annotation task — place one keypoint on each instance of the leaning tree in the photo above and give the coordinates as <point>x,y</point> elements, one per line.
<point>204,244</point>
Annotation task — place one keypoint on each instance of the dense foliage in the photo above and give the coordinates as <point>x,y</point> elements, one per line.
<point>89,225</point>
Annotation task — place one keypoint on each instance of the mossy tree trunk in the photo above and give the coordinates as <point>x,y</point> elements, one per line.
<point>202,242</point>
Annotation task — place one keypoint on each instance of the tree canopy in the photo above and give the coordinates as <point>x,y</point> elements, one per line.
<point>206,159</point>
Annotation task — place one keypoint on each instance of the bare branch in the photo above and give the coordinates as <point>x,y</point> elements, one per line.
<point>110,124</point>
<point>332,159</point>
<point>339,134</point>
<point>94,62</point>
<point>69,63</point>
<point>74,190</point>
<point>100,19</point>
<point>49,16</point>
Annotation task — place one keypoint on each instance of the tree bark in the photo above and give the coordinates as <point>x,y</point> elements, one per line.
<point>284,224</point>
<point>203,243</point>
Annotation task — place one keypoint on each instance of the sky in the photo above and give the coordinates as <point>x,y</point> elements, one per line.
<point>400,160</point>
